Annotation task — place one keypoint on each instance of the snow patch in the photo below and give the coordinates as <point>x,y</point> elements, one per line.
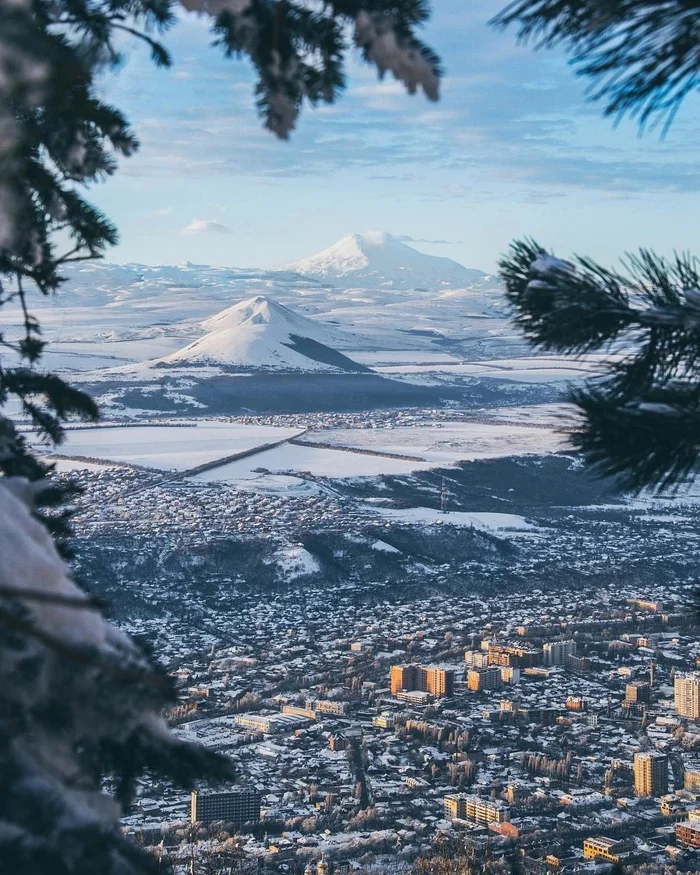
<point>294,562</point>
<point>383,547</point>
<point>490,522</point>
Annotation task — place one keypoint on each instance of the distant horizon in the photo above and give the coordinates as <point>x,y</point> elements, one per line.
<point>412,244</point>
<point>512,149</point>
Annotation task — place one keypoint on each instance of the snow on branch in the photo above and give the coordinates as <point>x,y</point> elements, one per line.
<point>641,413</point>
<point>298,48</point>
<point>409,61</point>
<point>79,702</point>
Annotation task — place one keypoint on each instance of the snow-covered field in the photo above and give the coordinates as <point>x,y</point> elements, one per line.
<point>544,369</point>
<point>552,415</point>
<point>310,460</point>
<point>490,522</point>
<point>293,467</point>
<point>171,447</point>
<point>447,443</point>
<point>295,562</point>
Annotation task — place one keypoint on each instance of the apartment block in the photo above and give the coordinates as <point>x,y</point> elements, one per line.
<point>688,833</point>
<point>463,806</point>
<point>430,679</point>
<point>638,692</point>
<point>686,689</point>
<point>557,652</point>
<point>479,679</point>
<point>602,848</point>
<point>476,658</point>
<point>520,657</point>
<point>236,807</point>
<point>650,774</point>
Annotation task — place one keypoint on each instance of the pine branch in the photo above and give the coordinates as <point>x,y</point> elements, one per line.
<point>298,49</point>
<point>571,308</point>
<point>652,441</point>
<point>641,55</point>
<point>641,420</point>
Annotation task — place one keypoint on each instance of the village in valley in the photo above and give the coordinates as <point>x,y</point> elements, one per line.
<point>554,729</point>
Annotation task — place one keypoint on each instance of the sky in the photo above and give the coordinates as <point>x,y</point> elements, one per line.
<point>512,148</point>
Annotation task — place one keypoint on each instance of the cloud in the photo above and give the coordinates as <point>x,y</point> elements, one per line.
<point>205,226</point>
<point>406,238</point>
<point>164,211</point>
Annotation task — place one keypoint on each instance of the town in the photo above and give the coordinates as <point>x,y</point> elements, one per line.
<point>554,729</point>
<point>398,679</point>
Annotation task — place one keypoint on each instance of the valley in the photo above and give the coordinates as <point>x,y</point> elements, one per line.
<point>304,477</point>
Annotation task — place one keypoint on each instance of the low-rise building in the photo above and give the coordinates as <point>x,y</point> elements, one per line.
<point>688,833</point>
<point>463,806</point>
<point>603,848</point>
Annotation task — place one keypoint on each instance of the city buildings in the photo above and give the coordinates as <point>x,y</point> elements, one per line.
<point>556,652</point>
<point>559,774</point>
<point>270,724</point>
<point>638,693</point>
<point>463,806</point>
<point>688,833</point>
<point>476,658</point>
<point>515,655</point>
<point>479,679</point>
<point>327,706</point>
<point>602,848</point>
<point>650,773</point>
<point>431,679</point>
<point>383,720</point>
<point>236,807</point>
<point>686,688</point>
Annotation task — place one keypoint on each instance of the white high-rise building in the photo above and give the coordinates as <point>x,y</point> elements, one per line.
<point>555,652</point>
<point>686,690</point>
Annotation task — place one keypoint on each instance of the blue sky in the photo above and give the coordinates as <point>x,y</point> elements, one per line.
<point>512,148</point>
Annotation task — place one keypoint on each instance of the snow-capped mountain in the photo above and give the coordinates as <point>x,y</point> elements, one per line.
<point>261,309</point>
<point>258,334</point>
<point>375,259</point>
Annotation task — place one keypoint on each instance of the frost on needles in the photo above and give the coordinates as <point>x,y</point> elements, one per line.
<point>79,700</point>
<point>640,420</point>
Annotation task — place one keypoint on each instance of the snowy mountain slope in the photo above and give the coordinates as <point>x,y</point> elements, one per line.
<point>262,309</point>
<point>375,259</point>
<point>261,334</point>
<point>109,315</point>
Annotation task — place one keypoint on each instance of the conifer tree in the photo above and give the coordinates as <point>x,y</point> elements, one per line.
<point>640,421</point>
<point>79,701</point>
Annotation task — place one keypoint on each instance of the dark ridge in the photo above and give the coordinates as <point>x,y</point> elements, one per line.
<point>319,352</point>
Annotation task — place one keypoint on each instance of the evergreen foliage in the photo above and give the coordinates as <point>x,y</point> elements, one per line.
<point>641,55</point>
<point>80,702</point>
<point>640,422</point>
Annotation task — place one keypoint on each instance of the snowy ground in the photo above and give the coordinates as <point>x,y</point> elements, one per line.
<point>310,460</point>
<point>556,416</point>
<point>448,443</point>
<point>177,447</point>
<point>347,453</point>
<point>63,466</point>
<point>491,522</point>
<point>295,562</point>
<point>528,369</point>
